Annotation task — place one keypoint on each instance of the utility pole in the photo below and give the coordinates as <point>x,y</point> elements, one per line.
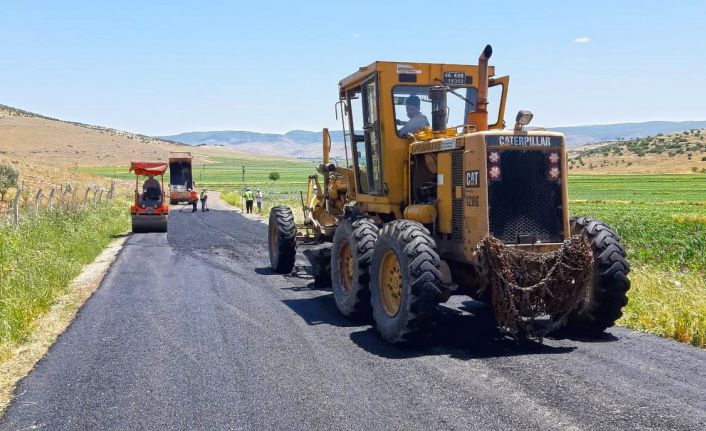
<point>243,174</point>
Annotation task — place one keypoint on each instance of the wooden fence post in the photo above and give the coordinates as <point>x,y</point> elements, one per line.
<point>111,192</point>
<point>65,191</point>
<point>37,201</point>
<point>51,197</point>
<point>16,205</point>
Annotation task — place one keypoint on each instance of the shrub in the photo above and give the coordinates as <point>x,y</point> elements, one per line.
<point>8,179</point>
<point>274,176</point>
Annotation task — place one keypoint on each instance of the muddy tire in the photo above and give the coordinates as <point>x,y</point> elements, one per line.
<point>282,243</point>
<point>352,249</point>
<point>609,282</point>
<point>404,281</point>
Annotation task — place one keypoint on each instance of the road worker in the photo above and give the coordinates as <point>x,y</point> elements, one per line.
<point>204,197</point>
<point>248,200</point>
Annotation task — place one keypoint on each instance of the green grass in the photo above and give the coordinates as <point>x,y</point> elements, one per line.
<point>227,173</point>
<point>40,258</point>
<point>641,188</point>
<point>652,233</point>
<point>662,223</point>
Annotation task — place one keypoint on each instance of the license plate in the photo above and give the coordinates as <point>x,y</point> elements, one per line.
<point>454,78</point>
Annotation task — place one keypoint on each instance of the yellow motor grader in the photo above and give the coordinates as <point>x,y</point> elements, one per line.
<point>437,198</point>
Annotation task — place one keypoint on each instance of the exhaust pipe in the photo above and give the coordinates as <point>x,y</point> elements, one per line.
<point>479,119</point>
<point>483,78</point>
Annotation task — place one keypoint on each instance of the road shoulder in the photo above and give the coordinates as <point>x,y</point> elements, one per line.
<point>52,324</point>
<point>254,216</point>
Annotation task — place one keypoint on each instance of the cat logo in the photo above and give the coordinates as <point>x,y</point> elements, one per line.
<point>472,179</point>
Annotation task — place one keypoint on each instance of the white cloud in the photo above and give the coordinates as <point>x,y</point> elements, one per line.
<point>356,36</point>
<point>582,39</point>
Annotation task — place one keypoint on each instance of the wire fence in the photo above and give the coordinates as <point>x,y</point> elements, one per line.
<point>29,204</point>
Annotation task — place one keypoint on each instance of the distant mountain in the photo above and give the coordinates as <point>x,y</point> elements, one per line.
<point>307,144</point>
<point>295,143</point>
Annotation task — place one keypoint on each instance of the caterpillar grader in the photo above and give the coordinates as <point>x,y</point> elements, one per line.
<point>458,205</point>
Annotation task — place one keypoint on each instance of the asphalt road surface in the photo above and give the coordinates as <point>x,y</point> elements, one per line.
<point>191,330</point>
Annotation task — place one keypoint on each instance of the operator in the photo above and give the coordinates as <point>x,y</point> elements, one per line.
<point>151,188</point>
<point>417,120</point>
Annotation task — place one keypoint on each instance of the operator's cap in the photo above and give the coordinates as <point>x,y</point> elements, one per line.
<point>204,189</point>
<point>413,101</point>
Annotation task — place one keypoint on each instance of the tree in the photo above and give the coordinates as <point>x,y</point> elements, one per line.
<point>274,176</point>
<point>8,178</point>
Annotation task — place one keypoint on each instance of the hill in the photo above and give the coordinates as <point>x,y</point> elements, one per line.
<point>27,136</point>
<point>677,153</point>
<point>307,144</point>
<point>581,135</point>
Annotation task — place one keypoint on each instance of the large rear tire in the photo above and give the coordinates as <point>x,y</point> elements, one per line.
<point>609,281</point>
<point>405,281</point>
<point>282,241</point>
<point>353,244</point>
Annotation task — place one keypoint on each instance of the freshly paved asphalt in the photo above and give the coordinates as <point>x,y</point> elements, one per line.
<point>191,330</point>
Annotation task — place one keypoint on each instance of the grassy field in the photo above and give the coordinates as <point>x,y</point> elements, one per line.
<point>226,175</point>
<point>660,218</point>
<point>39,259</point>
<point>662,222</point>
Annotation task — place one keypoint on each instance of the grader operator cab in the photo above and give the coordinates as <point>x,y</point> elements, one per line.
<point>437,199</point>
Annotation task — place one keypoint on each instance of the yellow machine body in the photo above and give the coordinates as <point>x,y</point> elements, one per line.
<point>382,177</point>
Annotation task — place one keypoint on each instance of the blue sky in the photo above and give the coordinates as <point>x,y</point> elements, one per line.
<point>165,67</point>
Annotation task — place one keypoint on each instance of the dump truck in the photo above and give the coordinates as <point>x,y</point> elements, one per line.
<point>438,198</point>
<point>149,211</point>
<point>181,184</point>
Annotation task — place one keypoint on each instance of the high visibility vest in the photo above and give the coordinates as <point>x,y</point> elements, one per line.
<point>248,195</point>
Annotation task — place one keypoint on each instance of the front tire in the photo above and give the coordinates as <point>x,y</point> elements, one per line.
<point>282,244</point>
<point>405,281</point>
<point>352,249</point>
<point>609,281</point>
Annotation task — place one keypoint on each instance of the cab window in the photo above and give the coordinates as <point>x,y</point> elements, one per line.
<point>413,107</point>
<point>365,137</point>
